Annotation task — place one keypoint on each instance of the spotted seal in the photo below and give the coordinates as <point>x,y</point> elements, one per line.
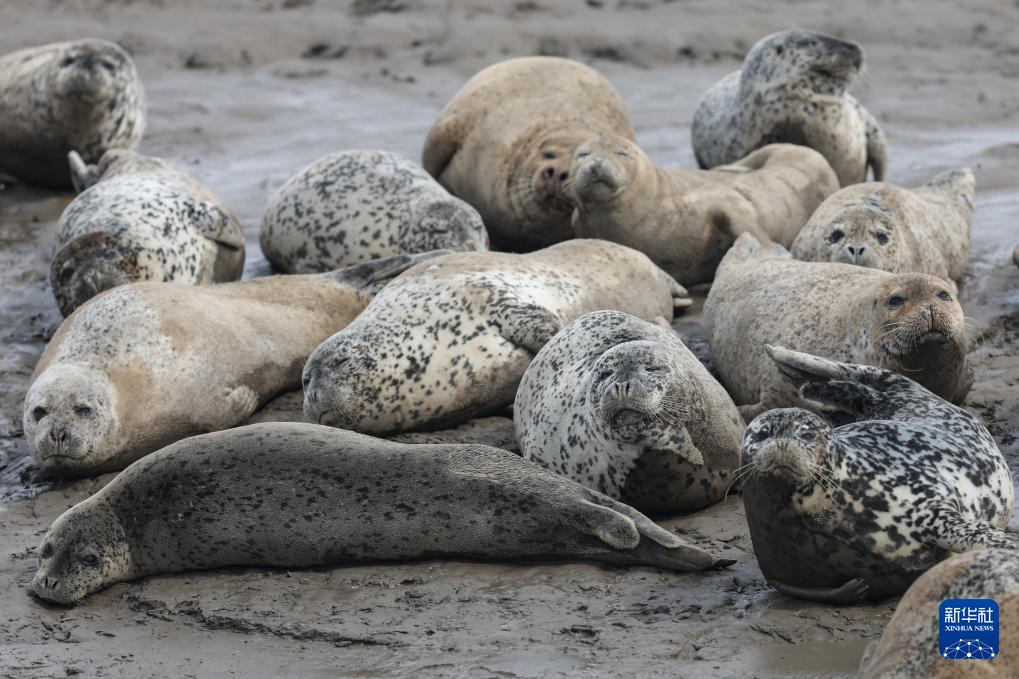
<point>840,514</point>
<point>146,364</point>
<point>504,143</point>
<point>140,218</point>
<point>685,220</point>
<point>923,230</point>
<point>792,88</point>
<point>295,495</point>
<point>910,647</point>
<point>449,340</point>
<point>620,405</point>
<point>353,206</point>
<point>910,323</point>
<point>82,96</point>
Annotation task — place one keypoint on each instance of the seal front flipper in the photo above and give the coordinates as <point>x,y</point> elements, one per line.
<point>854,591</point>
<point>369,275</point>
<point>234,407</point>
<point>528,326</point>
<point>216,225</point>
<point>82,176</point>
<point>958,534</point>
<point>679,443</point>
<point>441,144</point>
<point>877,144</point>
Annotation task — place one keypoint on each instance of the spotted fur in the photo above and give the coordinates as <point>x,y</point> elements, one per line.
<point>923,230</point>
<point>909,646</point>
<point>621,406</point>
<point>140,218</point>
<point>297,495</point>
<point>449,340</point>
<point>862,509</point>
<point>354,206</point>
<point>792,88</point>
<point>910,323</point>
<point>82,96</point>
<point>147,364</point>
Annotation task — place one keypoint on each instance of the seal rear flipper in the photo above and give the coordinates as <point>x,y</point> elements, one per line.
<point>528,326</point>
<point>854,591</point>
<point>373,275</point>
<point>218,226</point>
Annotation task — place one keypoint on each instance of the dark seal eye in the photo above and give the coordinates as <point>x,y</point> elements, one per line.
<point>760,435</point>
<point>944,296</point>
<point>548,155</point>
<point>808,436</point>
<point>896,301</point>
<point>83,411</point>
<point>65,275</point>
<point>882,237</point>
<point>90,560</point>
<point>66,61</point>
<point>47,551</point>
<point>836,236</point>
<point>39,413</point>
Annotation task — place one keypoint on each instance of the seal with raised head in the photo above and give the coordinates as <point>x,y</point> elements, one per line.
<point>354,206</point>
<point>884,226</point>
<point>140,218</point>
<point>910,323</point>
<point>505,140</point>
<point>620,405</point>
<point>147,364</point>
<point>910,648</point>
<point>293,495</point>
<point>860,510</point>
<point>82,96</point>
<point>449,340</point>
<point>792,88</point>
<point>685,220</point>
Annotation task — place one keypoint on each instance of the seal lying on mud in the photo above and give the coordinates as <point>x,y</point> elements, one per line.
<point>299,495</point>
<point>792,88</point>
<point>685,220</point>
<point>909,647</point>
<point>621,405</point>
<point>923,230</point>
<point>450,340</point>
<point>505,140</point>
<point>147,364</point>
<point>909,323</point>
<point>354,206</point>
<point>140,218</point>
<point>860,510</point>
<point>82,96</point>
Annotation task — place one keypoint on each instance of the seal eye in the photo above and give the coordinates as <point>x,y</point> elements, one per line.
<point>583,154</point>
<point>808,436</point>
<point>944,296</point>
<point>90,560</point>
<point>65,275</point>
<point>836,236</point>
<point>39,412</point>
<point>67,61</point>
<point>83,411</point>
<point>548,155</point>
<point>882,237</point>
<point>624,154</point>
<point>47,551</point>
<point>896,301</point>
<point>760,435</point>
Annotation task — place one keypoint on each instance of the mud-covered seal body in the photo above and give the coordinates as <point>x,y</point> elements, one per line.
<point>354,206</point>
<point>147,364</point>
<point>82,96</point>
<point>620,405</point>
<point>861,509</point>
<point>449,340</point>
<point>300,495</point>
<point>884,226</point>
<point>505,140</point>
<point>791,89</point>
<point>910,323</point>
<point>909,646</point>
<point>140,218</point>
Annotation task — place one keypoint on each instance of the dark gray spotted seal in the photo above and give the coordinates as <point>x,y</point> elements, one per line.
<point>296,495</point>
<point>792,88</point>
<point>909,647</point>
<point>147,364</point>
<point>353,206</point>
<point>140,218</point>
<point>82,96</point>
<point>450,339</point>
<point>621,405</point>
<point>840,514</point>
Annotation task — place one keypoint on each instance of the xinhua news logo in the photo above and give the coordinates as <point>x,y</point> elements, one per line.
<point>969,629</point>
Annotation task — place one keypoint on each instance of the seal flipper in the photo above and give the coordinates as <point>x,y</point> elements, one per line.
<point>369,275</point>
<point>609,526</point>
<point>877,144</point>
<point>854,591</point>
<point>957,534</point>
<point>216,225</point>
<point>679,443</point>
<point>441,145</point>
<point>528,326</point>
<point>82,176</point>
<point>236,406</point>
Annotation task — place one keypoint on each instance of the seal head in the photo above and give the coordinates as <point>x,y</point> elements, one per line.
<point>794,62</point>
<point>88,70</point>
<point>789,445</point>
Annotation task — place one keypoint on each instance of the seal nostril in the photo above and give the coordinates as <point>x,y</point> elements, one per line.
<point>563,176</point>
<point>550,172</point>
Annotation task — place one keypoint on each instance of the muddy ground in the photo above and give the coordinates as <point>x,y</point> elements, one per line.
<point>242,93</point>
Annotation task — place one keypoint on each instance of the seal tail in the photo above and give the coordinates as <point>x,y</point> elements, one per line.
<point>372,276</point>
